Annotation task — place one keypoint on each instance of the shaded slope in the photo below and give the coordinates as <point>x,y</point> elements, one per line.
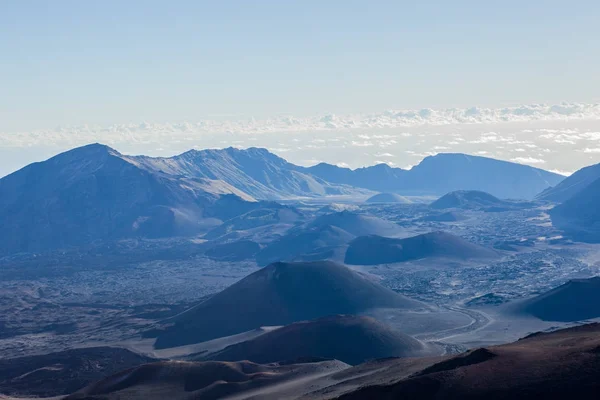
<point>562,364</point>
<point>372,250</point>
<point>579,216</point>
<point>576,300</point>
<point>571,185</point>
<point>63,372</point>
<point>280,294</point>
<point>348,338</point>
<point>199,380</point>
<point>95,193</point>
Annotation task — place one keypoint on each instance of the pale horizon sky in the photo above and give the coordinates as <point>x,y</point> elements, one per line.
<point>82,62</point>
<point>310,80</point>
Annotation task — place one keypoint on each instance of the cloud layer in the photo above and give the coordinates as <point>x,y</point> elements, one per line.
<point>562,137</point>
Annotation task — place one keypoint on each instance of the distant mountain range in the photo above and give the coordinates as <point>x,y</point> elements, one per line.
<point>95,193</point>
<point>443,173</point>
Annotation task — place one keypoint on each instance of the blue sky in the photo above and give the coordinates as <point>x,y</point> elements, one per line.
<point>103,62</point>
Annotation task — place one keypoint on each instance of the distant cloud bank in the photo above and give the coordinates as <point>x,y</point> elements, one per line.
<point>142,132</point>
<point>561,137</point>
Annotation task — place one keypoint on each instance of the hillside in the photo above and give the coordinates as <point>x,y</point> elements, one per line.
<point>579,216</point>
<point>95,193</point>
<point>571,185</point>
<point>576,300</point>
<point>373,250</point>
<point>280,294</point>
<point>63,372</point>
<point>255,171</point>
<point>556,365</point>
<point>348,338</point>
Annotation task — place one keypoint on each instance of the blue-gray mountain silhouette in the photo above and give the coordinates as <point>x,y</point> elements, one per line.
<point>443,173</point>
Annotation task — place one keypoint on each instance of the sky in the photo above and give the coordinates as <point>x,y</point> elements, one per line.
<point>114,63</point>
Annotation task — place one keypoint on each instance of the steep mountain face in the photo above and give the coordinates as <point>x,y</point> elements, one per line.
<point>443,173</point>
<point>280,294</point>
<point>255,171</point>
<point>95,193</point>
<point>348,338</point>
<point>576,300</point>
<point>373,250</point>
<point>571,185</point>
<point>579,216</point>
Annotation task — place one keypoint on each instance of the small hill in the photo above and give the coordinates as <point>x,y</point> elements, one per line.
<point>64,372</point>
<point>373,250</point>
<point>280,294</point>
<point>576,300</point>
<point>356,224</point>
<point>348,338</point>
<point>475,200</point>
<point>388,198</point>
<point>234,251</point>
<point>302,242</point>
<point>571,185</point>
<point>210,380</point>
<point>270,214</point>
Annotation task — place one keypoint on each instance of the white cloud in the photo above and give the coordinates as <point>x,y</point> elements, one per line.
<point>528,160</point>
<point>362,144</point>
<point>565,173</point>
<point>142,132</point>
<point>591,150</point>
